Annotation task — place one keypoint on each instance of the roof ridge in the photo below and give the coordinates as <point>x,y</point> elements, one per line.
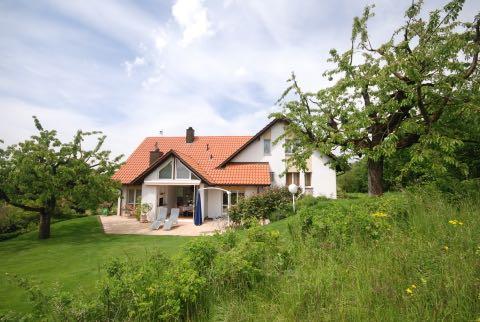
<point>198,136</point>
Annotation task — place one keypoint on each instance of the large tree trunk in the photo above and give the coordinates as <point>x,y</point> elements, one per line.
<point>45,216</point>
<point>44,226</point>
<point>375,177</point>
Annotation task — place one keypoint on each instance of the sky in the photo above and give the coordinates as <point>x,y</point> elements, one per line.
<point>134,68</point>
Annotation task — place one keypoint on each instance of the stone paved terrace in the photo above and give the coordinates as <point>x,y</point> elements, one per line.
<point>130,226</point>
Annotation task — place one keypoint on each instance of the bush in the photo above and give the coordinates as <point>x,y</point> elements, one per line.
<point>341,221</point>
<point>273,204</point>
<point>15,221</point>
<point>159,288</point>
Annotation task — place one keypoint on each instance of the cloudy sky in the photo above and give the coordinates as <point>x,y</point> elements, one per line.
<point>133,68</point>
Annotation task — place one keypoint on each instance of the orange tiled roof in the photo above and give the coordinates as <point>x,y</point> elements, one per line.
<point>205,161</point>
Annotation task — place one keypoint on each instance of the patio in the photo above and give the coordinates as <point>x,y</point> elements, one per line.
<point>130,226</point>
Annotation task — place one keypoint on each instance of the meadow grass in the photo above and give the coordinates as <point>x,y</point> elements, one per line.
<point>428,270</point>
<point>73,257</point>
<point>424,267</point>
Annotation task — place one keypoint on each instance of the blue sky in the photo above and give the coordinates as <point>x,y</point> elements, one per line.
<point>132,68</point>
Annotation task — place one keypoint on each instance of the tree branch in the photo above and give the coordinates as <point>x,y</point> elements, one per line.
<point>3,196</point>
<point>476,40</point>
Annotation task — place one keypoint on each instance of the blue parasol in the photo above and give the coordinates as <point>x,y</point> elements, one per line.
<point>197,216</point>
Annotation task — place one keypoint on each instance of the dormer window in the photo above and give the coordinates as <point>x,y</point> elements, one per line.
<point>267,147</point>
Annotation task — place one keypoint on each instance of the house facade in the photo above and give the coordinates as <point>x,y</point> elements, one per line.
<point>173,171</point>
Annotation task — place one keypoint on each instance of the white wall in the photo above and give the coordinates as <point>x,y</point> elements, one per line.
<point>214,201</point>
<point>323,178</point>
<point>149,195</point>
<point>254,153</point>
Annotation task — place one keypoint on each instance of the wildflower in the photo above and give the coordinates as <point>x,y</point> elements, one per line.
<point>379,214</point>
<point>410,289</point>
<point>455,222</point>
<point>445,248</point>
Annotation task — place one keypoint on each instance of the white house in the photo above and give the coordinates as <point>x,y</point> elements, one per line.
<point>169,171</point>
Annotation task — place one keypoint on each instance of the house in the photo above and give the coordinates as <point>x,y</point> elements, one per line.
<point>170,171</point>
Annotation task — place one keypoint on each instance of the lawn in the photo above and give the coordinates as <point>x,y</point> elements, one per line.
<point>73,256</point>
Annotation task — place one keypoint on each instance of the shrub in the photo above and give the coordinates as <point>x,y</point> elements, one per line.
<point>340,222</point>
<point>273,204</point>
<point>15,221</point>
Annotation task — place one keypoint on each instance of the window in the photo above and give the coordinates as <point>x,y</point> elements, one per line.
<point>293,177</point>
<point>138,196</point>
<point>131,196</point>
<point>308,179</point>
<point>272,178</point>
<point>291,146</point>
<point>235,197</point>
<point>134,196</point>
<point>194,177</point>
<point>166,172</point>
<point>288,147</point>
<point>182,171</point>
<point>267,147</point>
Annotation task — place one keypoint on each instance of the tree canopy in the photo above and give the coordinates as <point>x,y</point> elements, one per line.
<point>45,175</point>
<point>392,96</point>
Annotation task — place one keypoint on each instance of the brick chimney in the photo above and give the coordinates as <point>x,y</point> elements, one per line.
<point>155,154</point>
<point>190,136</point>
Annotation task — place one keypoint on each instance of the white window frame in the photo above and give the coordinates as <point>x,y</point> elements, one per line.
<point>135,197</point>
<point>177,162</point>
<point>269,152</point>
<point>171,173</point>
<point>235,193</point>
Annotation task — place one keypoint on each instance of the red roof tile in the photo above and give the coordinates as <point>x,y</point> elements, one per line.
<point>204,156</point>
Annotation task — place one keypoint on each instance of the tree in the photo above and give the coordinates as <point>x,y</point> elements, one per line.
<point>390,97</point>
<point>44,175</point>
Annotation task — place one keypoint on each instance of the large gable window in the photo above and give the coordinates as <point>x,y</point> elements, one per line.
<point>166,171</point>
<point>182,171</point>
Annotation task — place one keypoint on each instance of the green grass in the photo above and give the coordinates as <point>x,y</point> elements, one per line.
<point>368,281</point>
<point>365,280</point>
<point>73,257</point>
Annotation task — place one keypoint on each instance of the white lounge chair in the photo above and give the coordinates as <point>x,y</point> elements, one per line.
<point>159,218</point>
<point>172,220</point>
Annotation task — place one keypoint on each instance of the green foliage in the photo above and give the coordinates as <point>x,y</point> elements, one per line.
<point>47,176</point>
<point>273,204</point>
<point>354,179</point>
<point>339,223</point>
<point>410,91</point>
<point>143,209</point>
<point>164,289</point>
<point>14,221</point>
<point>339,261</point>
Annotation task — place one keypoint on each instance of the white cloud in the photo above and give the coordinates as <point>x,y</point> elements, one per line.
<point>68,67</point>
<point>130,65</point>
<point>192,16</point>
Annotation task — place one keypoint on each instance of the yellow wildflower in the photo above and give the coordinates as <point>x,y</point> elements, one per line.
<point>379,214</point>
<point>445,248</point>
<point>455,222</point>
<point>410,289</point>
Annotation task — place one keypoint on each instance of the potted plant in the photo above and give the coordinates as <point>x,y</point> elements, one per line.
<point>142,210</point>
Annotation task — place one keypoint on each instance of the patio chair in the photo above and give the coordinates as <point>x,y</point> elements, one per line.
<point>159,218</point>
<point>172,220</point>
